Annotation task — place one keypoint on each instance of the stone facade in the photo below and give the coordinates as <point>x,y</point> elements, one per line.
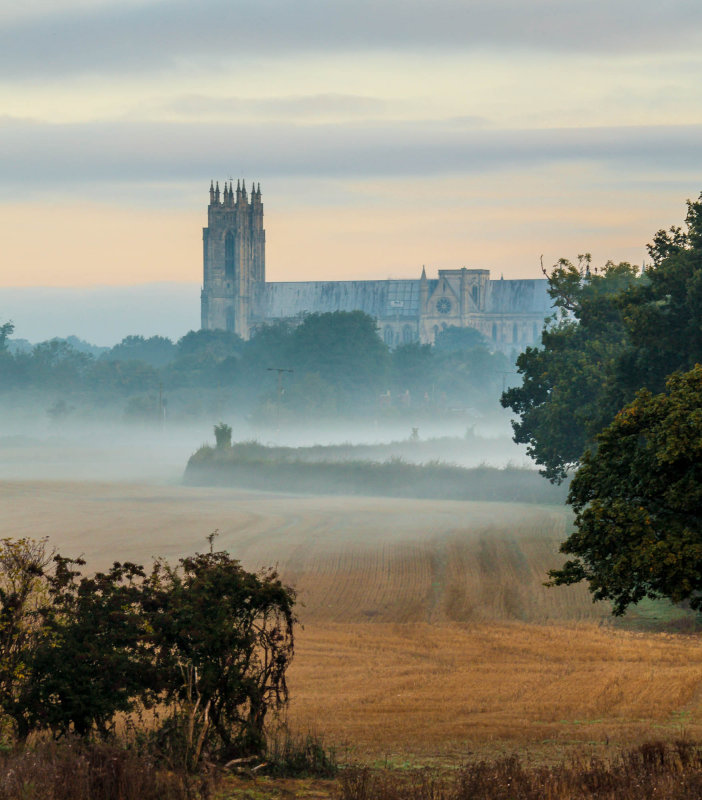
<point>236,297</point>
<point>234,258</point>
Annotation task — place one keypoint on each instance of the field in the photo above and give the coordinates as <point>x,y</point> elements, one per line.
<point>427,631</point>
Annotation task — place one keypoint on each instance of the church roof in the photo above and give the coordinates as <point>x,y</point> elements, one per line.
<point>377,298</point>
<point>391,298</point>
<point>518,296</point>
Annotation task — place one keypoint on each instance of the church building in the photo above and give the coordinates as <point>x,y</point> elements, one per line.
<point>236,297</point>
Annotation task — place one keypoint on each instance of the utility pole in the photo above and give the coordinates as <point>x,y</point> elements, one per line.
<point>280,371</point>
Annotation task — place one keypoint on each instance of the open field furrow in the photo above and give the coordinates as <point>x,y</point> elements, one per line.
<point>439,689</point>
<point>428,631</point>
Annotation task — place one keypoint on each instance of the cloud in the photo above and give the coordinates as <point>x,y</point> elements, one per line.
<point>118,39</point>
<point>307,106</point>
<point>51,155</point>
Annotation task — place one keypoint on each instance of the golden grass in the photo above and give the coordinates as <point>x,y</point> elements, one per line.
<point>446,690</point>
<point>350,558</point>
<point>427,628</point>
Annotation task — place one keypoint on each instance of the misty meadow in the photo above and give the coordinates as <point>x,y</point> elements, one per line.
<point>372,603</point>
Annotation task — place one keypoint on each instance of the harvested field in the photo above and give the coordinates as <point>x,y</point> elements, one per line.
<point>428,632</point>
<point>419,692</point>
<point>351,559</point>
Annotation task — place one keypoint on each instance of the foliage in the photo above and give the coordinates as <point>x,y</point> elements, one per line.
<point>204,358</point>
<point>6,330</point>
<point>638,501</point>
<point>91,657</point>
<point>294,756</point>
<point>412,368</point>
<point>568,389</point>
<point>225,641</point>
<point>210,344</point>
<point>344,350</point>
<point>157,351</point>
<point>338,364</point>
<point>206,639</point>
<point>22,593</point>
<point>663,313</point>
<point>253,466</point>
<point>617,332</point>
<point>223,435</point>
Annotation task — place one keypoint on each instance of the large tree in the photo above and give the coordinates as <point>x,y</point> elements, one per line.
<point>663,312</point>
<point>569,390</point>
<point>638,501</point>
<point>615,332</point>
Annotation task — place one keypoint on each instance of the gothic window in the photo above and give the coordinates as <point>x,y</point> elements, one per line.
<point>494,331</point>
<point>407,335</point>
<point>230,319</point>
<point>476,295</point>
<point>229,255</point>
<point>443,306</point>
<point>536,332</point>
<point>388,337</point>
<point>515,332</point>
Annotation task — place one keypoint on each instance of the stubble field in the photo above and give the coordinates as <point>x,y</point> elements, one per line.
<point>427,631</point>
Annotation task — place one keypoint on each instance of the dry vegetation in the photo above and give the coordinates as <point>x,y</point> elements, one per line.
<point>351,559</point>
<point>669,772</point>
<point>418,692</point>
<point>429,637</point>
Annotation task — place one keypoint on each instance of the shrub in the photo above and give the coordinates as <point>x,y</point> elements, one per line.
<point>294,756</point>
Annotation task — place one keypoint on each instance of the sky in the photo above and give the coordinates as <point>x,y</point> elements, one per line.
<point>386,135</point>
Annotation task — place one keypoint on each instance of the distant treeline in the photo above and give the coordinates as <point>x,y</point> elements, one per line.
<point>334,364</point>
<point>250,465</point>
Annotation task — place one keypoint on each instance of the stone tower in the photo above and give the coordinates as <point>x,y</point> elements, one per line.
<point>234,258</point>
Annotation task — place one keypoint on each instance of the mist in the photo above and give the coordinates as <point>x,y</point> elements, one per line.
<point>35,447</point>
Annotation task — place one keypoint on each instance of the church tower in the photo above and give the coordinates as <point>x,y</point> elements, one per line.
<point>234,258</point>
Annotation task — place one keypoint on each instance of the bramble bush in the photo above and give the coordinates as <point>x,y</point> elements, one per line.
<point>205,644</point>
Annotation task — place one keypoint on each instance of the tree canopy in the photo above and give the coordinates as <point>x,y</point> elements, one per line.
<point>615,391</point>
<point>569,389</point>
<point>207,640</point>
<point>638,501</point>
<point>616,331</point>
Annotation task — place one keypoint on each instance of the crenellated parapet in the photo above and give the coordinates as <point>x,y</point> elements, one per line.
<point>235,295</point>
<point>234,262</point>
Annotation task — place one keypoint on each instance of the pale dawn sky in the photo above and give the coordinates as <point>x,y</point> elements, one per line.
<point>385,134</point>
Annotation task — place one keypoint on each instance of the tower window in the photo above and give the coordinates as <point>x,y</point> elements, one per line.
<point>229,255</point>
<point>476,295</point>
<point>230,319</point>
<point>494,331</point>
<point>515,332</point>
